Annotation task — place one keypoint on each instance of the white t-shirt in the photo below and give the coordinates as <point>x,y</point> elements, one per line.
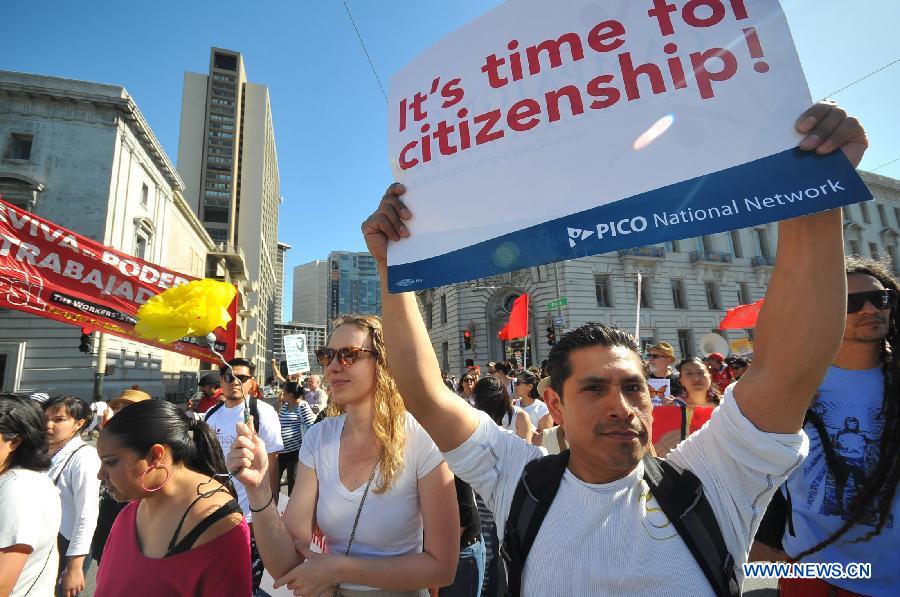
<point>627,545</point>
<point>31,514</point>
<point>79,491</point>
<point>224,422</point>
<point>390,523</point>
<point>537,410</point>
<point>509,422</point>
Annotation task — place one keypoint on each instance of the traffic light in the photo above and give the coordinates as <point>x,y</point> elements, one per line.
<point>551,336</point>
<point>85,344</point>
<point>467,339</point>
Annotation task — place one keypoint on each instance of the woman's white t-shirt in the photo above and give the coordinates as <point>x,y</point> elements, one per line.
<point>536,411</point>
<point>509,422</point>
<point>30,514</point>
<point>390,523</point>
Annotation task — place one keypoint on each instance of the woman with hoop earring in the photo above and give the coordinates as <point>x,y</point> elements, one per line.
<point>369,478</point>
<point>183,532</point>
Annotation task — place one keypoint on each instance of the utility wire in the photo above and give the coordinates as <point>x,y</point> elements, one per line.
<point>877,70</point>
<point>363,44</point>
<point>885,164</point>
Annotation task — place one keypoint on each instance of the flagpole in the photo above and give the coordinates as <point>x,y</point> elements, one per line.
<point>637,318</point>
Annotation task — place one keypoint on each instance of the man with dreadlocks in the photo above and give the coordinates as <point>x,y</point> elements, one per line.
<point>842,503</point>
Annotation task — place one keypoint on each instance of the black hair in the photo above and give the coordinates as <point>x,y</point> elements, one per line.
<point>192,442</point>
<point>712,394</point>
<point>75,407</point>
<point>585,336</point>
<point>294,388</point>
<point>533,380</point>
<point>503,367</point>
<point>873,500</point>
<point>238,362</point>
<point>492,397</point>
<point>739,363</point>
<point>21,418</point>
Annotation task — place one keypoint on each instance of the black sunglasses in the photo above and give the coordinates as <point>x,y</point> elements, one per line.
<point>346,355</point>
<point>880,299</point>
<point>229,377</point>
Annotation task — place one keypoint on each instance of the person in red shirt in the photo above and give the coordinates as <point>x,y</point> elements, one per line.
<point>211,393</point>
<point>721,373</point>
<point>183,532</point>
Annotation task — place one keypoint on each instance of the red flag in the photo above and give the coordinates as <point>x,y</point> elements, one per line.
<point>503,334</point>
<point>517,327</point>
<point>741,317</point>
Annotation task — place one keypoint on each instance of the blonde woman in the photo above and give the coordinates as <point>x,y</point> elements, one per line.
<point>369,477</point>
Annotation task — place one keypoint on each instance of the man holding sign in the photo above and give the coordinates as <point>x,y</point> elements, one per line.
<point>603,502</point>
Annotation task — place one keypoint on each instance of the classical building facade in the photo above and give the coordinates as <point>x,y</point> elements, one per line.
<point>686,288</point>
<point>227,158</point>
<point>81,155</point>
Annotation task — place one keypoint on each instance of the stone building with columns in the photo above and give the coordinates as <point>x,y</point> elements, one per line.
<point>82,155</point>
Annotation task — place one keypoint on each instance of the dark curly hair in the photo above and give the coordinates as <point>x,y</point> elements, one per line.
<point>21,419</point>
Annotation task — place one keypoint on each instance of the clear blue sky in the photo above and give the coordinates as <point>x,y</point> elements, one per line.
<point>330,116</point>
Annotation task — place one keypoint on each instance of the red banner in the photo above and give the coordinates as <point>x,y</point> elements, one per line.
<point>52,272</point>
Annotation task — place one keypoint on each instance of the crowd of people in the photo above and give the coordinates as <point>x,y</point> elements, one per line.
<point>541,480</point>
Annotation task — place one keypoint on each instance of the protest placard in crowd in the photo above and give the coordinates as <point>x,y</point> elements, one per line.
<point>295,353</point>
<point>549,131</point>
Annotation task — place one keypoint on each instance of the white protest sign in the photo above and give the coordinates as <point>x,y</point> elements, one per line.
<point>660,390</point>
<point>295,353</point>
<point>545,131</point>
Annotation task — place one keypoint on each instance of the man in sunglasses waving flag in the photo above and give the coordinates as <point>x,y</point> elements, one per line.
<point>603,505</point>
<point>844,501</point>
<point>238,387</point>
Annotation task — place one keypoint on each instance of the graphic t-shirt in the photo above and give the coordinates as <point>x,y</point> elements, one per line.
<point>224,422</point>
<point>850,405</point>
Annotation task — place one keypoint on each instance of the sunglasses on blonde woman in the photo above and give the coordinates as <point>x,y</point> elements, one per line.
<point>346,355</point>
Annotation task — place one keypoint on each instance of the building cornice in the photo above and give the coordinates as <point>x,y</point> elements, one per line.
<point>877,180</point>
<point>112,97</point>
<point>191,218</point>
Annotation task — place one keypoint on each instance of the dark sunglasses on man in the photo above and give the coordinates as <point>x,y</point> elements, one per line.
<point>346,355</point>
<point>230,377</point>
<point>880,299</point>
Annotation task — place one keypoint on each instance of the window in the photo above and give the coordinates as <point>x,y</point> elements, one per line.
<point>225,61</point>
<point>864,210</point>
<point>445,356</point>
<point>897,215</point>
<point>145,194</point>
<point>882,214</point>
<point>736,248</point>
<point>429,315</point>
<point>676,246</point>
<point>706,244</point>
<point>679,298</point>
<point>443,308</point>
<point>853,246</point>
<point>603,289</point>
<point>744,296</point>
<point>646,292</point>
<point>140,246</point>
<point>685,343</point>
<point>713,300</point>
<point>19,147</point>
<point>893,255</point>
<point>762,240</point>
<point>213,214</point>
<point>873,249</point>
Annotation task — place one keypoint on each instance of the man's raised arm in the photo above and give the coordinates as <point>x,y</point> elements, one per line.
<point>448,419</point>
<point>802,320</point>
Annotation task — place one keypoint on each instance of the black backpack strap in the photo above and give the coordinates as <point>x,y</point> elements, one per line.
<point>681,498</point>
<point>66,463</point>
<point>254,410</point>
<point>213,409</point>
<point>534,494</point>
<point>684,423</point>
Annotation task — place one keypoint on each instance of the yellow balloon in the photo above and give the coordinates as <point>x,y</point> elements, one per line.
<point>192,309</point>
